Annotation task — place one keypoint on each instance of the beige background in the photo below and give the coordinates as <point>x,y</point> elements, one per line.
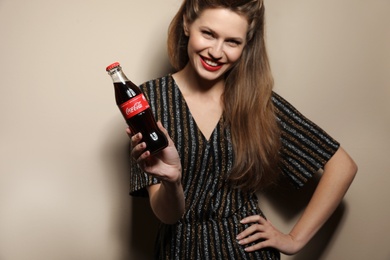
<point>64,169</point>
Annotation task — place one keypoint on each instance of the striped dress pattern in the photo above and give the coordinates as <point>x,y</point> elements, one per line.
<point>214,208</point>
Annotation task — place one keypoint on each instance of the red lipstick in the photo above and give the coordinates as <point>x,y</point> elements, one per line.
<point>208,66</point>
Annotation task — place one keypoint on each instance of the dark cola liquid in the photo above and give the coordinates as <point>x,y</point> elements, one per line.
<point>144,121</point>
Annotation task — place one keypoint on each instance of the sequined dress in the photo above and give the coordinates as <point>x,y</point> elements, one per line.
<point>213,208</point>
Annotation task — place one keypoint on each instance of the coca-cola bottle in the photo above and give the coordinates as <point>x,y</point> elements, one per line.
<point>135,109</point>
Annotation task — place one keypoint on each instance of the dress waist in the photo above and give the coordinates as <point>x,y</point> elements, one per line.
<point>248,209</point>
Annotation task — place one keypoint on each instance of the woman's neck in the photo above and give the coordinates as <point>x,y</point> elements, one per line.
<point>190,82</point>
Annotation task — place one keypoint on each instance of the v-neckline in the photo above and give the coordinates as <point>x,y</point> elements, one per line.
<point>207,140</point>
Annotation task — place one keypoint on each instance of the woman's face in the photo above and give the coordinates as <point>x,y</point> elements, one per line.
<point>216,41</point>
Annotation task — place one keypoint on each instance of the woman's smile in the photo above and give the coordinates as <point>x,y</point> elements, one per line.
<point>210,65</point>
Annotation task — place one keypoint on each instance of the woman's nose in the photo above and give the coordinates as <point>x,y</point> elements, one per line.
<point>216,50</point>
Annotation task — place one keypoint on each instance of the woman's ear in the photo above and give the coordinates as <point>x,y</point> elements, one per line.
<point>185,26</point>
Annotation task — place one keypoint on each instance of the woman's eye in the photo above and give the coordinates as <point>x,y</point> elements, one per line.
<point>233,43</point>
<point>207,34</point>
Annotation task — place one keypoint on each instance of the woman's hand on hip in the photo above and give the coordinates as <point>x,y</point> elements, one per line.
<point>262,234</point>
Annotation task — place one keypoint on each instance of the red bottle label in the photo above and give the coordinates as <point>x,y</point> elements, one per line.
<point>134,106</point>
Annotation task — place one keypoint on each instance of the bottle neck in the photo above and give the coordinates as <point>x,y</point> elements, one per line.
<point>117,75</point>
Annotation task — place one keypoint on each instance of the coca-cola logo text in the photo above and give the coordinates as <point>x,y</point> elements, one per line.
<point>134,108</point>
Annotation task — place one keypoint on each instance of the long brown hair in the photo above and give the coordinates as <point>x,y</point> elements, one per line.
<point>248,108</point>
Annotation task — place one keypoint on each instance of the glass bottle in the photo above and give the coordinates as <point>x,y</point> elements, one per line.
<point>136,110</point>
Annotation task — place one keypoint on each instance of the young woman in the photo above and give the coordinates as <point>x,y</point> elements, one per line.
<point>229,136</point>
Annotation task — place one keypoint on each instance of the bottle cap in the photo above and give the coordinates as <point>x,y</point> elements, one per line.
<point>113,65</point>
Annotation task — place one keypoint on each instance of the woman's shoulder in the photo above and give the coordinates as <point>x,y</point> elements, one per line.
<point>164,81</point>
<point>285,111</point>
<point>158,90</point>
<point>292,119</point>
<point>282,105</point>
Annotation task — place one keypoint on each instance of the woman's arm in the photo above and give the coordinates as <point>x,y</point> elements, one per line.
<point>338,174</point>
<point>167,201</point>
<point>166,198</point>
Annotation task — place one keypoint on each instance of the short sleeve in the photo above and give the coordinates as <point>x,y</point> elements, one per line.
<point>306,148</point>
<point>139,181</point>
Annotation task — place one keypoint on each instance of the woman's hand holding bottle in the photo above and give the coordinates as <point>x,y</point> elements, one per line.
<point>165,165</point>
